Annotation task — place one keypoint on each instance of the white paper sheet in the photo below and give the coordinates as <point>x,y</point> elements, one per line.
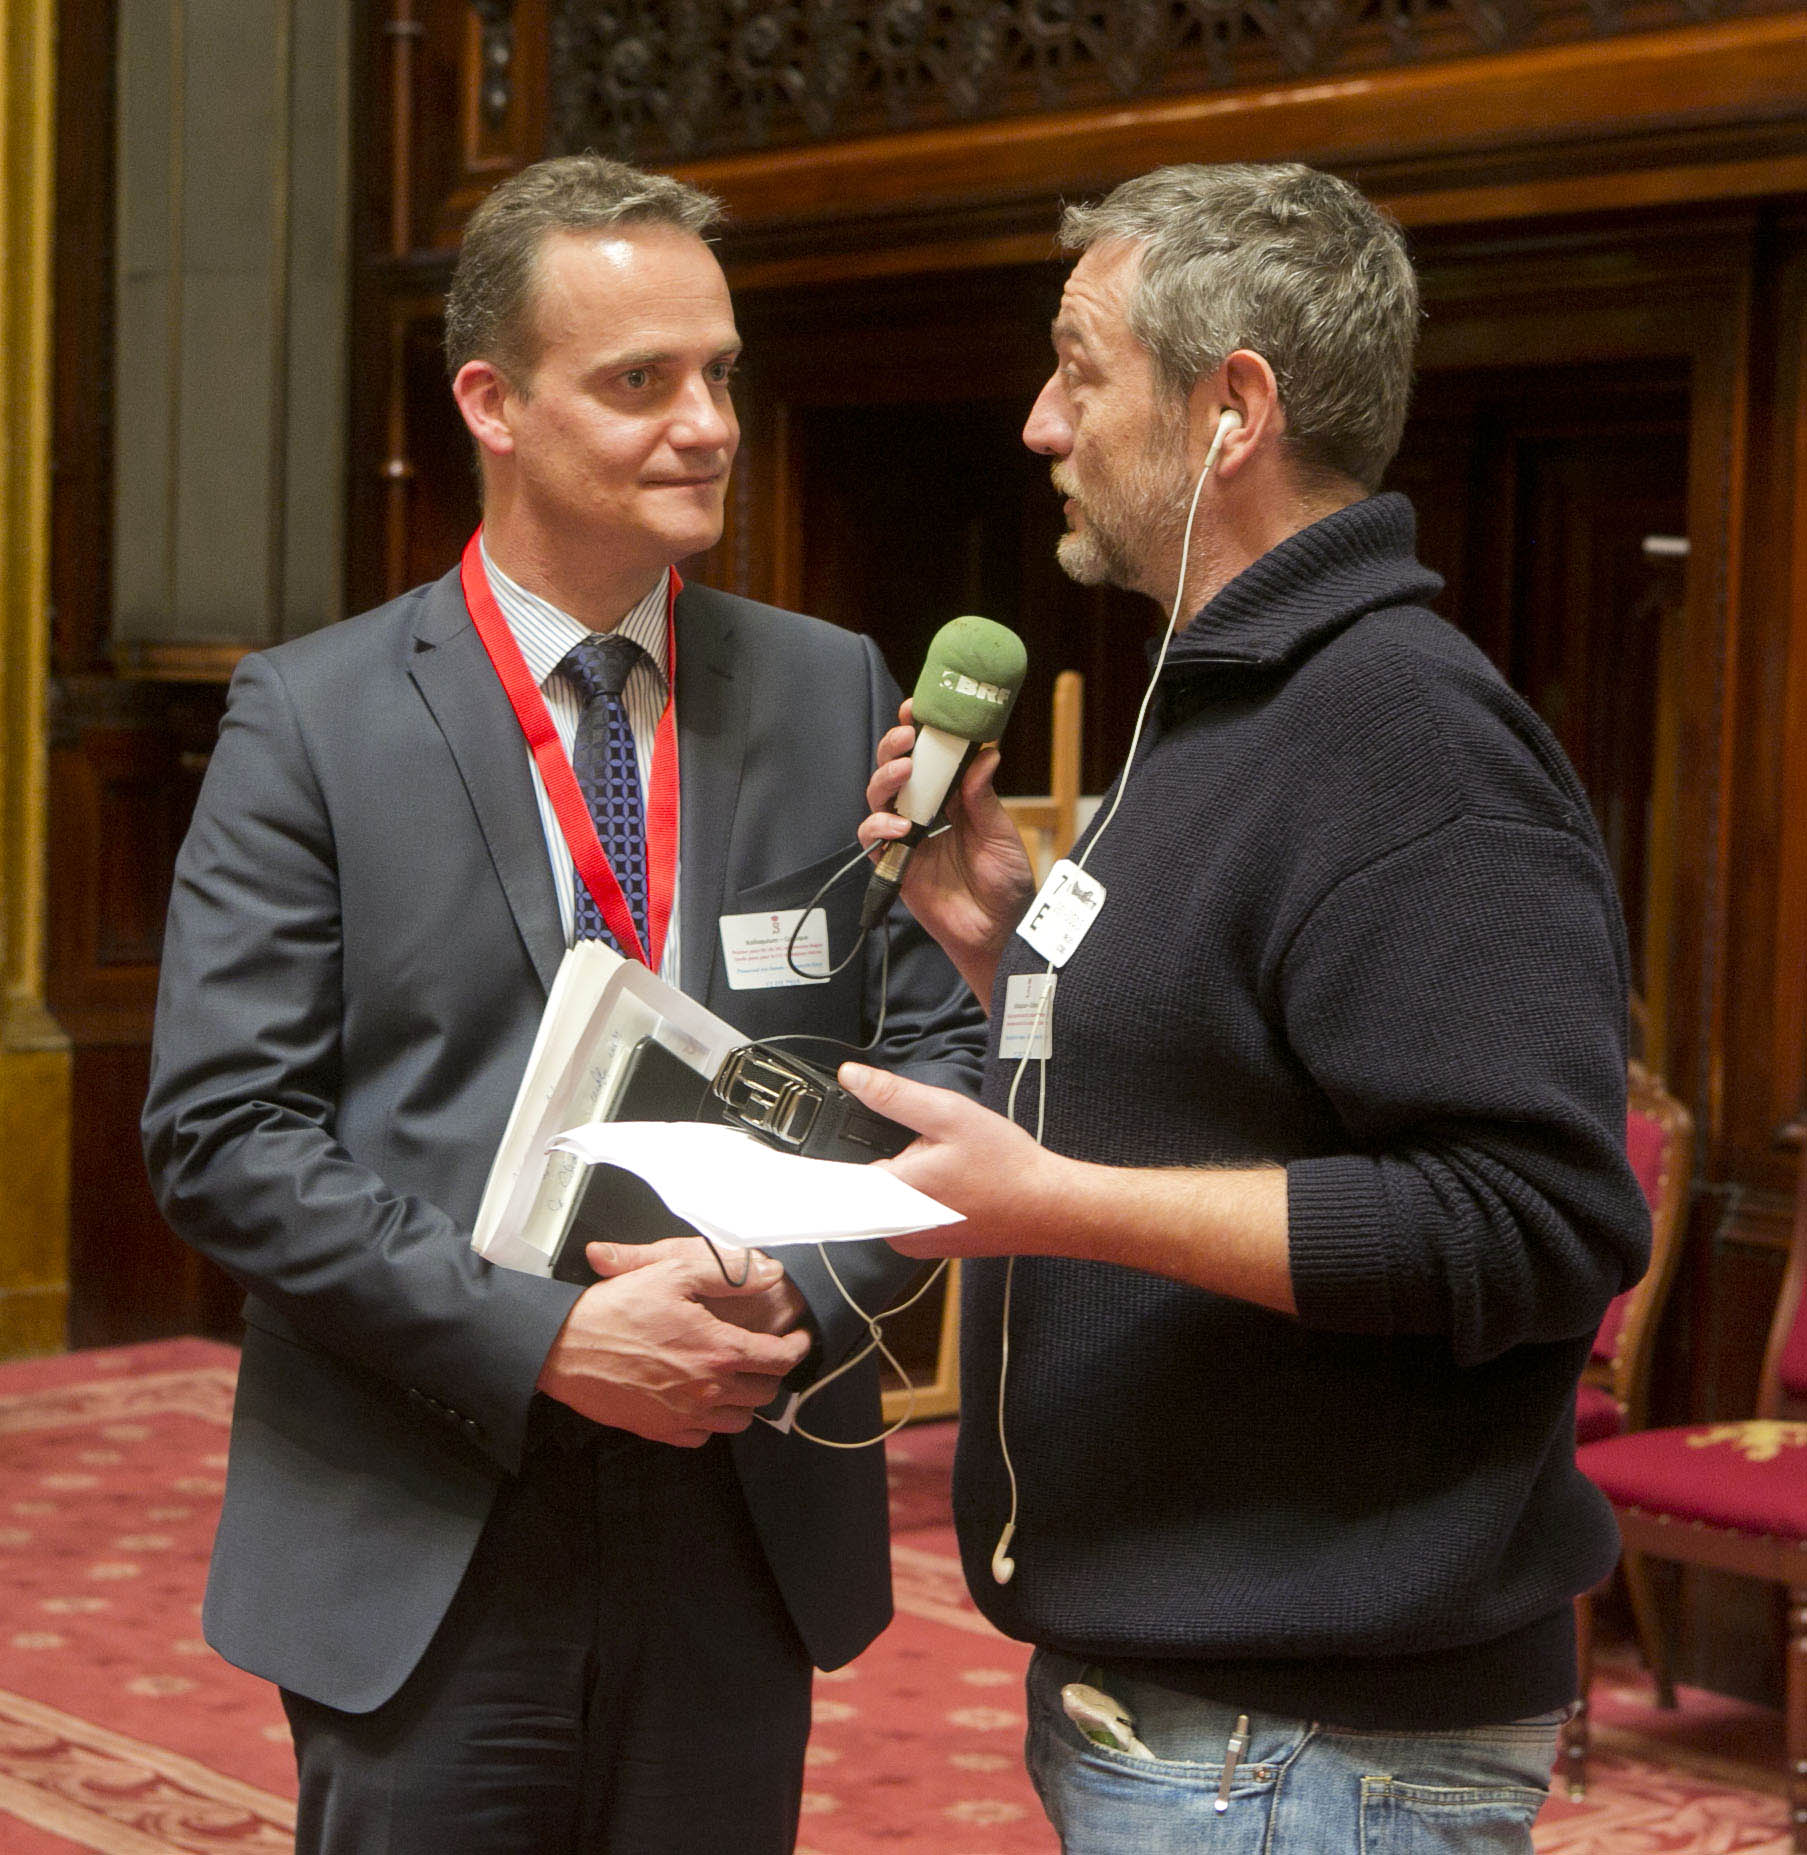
<point>738,1190</point>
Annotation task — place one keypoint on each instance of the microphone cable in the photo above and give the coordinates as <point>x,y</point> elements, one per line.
<point>872,1322</point>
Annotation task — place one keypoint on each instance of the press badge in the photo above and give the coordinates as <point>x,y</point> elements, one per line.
<point>754,947</point>
<point>1028,1017</point>
<point>1061,914</point>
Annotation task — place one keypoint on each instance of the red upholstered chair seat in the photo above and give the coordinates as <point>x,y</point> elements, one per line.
<point>1748,1477</point>
<point>1597,1414</point>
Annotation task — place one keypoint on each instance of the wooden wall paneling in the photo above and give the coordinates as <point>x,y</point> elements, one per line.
<point>501,105</point>
<point>1662,846</point>
<point>759,554</point>
<point>131,1277</point>
<point>1534,489</point>
<point>126,765</point>
<point>387,134</point>
<point>443,503</point>
<point>423,46</point>
<point>1612,292</point>
<point>413,487</point>
<point>121,796</point>
<point>81,434</point>
<point>1767,977</point>
<point>1688,1034</point>
<point>397,468</point>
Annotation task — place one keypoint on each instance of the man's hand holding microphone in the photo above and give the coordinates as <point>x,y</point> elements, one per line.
<point>968,885</point>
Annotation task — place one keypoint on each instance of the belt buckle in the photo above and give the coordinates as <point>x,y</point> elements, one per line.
<point>770,1094</point>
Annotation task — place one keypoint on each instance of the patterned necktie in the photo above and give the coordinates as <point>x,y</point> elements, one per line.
<point>608,771</point>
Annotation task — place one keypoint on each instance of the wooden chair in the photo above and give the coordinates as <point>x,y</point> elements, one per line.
<point>1049,825</point>
<point>1614,1394</point>
<point>1615,1386</point>
<point>1731,1497</point>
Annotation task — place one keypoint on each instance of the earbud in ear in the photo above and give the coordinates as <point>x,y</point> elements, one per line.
<point>1229,420</point>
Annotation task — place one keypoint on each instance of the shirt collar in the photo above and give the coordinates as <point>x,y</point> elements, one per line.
<point>546,635</point>
<point>1358,559</point>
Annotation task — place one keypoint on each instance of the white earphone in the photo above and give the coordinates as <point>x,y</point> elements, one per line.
<point>1229,420</point>
<point>1003,1566</point>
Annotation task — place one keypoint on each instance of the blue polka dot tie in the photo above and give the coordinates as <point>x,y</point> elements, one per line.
<point>608,771</point>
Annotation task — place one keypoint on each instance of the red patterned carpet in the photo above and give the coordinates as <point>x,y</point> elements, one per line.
<point>121,1733</point>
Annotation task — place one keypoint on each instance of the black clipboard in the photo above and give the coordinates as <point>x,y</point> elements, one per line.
<point>620,1207</point>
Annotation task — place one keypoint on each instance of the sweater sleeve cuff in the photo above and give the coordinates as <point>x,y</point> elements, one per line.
<point>1337,1220</point>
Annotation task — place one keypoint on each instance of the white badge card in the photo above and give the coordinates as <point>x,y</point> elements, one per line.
<point>755,947</point>
<point>1028,1017</point>
<point>1061,914</point>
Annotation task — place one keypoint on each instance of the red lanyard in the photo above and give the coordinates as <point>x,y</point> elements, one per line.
<point>554,763</point>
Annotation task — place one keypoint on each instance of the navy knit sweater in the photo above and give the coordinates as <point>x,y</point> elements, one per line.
<point>1358,922</point>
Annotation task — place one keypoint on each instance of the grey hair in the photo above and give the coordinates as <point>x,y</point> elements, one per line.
<point>1289,262</point>
<point>488,308</point>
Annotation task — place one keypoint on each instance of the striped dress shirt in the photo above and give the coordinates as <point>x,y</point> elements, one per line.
<point>545,635</point>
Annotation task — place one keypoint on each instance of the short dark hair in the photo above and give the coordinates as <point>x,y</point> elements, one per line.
<point>489,307</point>
<point>1289,262</point>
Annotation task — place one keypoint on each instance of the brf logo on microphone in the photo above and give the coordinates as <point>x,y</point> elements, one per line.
<point>960,684</point>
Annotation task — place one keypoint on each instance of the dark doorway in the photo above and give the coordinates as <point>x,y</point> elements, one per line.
<point>1553,501</point>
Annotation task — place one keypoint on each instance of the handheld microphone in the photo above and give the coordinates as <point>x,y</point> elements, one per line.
<point>962,699</point>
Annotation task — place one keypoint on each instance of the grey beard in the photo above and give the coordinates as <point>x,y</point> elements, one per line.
<point>1127,555</point>
<point>1143,523</point>
<point>1091,561</point>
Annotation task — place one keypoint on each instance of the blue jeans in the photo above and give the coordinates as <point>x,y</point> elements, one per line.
<point>1300,1789</point>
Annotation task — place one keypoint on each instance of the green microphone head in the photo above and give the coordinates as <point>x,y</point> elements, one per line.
<point>969,679</point>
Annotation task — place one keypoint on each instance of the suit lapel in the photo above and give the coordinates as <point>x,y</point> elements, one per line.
<point>455,679</point>
<point>712,739</point>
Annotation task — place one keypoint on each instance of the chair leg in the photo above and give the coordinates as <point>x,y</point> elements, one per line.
<point>1797,1716</point>
<point>1575,1735</point>
<point>1647,1620</point>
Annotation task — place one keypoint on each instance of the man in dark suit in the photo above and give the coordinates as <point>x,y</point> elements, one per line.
<point>527,1571</point>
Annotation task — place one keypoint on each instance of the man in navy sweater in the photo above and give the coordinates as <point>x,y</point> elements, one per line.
<point>1299,1185</point>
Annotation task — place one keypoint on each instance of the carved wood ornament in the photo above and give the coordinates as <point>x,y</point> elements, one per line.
<point>674,79</point>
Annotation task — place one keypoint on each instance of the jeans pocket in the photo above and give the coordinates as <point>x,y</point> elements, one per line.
<point>1399,1818</point>
<point>1103,1801</point>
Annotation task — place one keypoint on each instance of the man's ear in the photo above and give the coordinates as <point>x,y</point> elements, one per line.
<point>1243,385</point>
<point>485,400</point>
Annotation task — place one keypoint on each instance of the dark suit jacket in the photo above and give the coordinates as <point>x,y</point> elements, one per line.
<point>361,936</point>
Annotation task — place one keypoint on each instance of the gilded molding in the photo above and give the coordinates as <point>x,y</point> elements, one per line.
<point>34,1053</point>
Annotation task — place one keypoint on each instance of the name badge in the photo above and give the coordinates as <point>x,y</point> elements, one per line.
<point>1061,914</point>
<point>754,948</point>
<point>1028,1017</point>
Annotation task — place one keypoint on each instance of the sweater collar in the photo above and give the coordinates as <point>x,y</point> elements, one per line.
<point>1356,560</point>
